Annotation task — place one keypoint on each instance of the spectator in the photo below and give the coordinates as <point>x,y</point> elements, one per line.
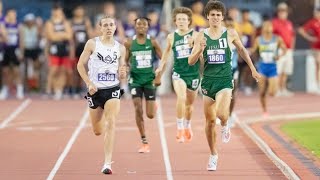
<point>284,28</point>
<point>198,21</point>
<point>155,26</point>
<point>248,34</point>
<point>311,31</point>
<point>82,32</point>
<point>128,26</point>
<point>110,9</point>
<point>12,56</point>
<point>29,39</point>
<point>59,35</point>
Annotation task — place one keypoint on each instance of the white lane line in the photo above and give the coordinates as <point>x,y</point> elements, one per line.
<point>245,126</point>
<point>283,117</point>
<point>69,145</point>
<point>15,113</point>
<point>163,140</point>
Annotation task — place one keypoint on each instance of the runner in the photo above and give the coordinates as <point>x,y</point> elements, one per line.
<point>139,56</point>
<point>106,64</point>
<point>217,83</point>
<point>186,78</point>
<point>267,45</point>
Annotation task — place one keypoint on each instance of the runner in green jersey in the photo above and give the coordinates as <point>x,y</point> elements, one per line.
<point>140,53</point>
<point>214,45</point>
<point>186,78</point>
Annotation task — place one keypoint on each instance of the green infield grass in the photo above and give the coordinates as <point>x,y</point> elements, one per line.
<point>306,133</point>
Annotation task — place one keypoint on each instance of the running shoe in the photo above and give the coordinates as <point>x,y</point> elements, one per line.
<point>225,134</point>
<point>145,148</point>
<point>180,135</point>
<point>188,134</point>
<point>213,162</point>
<point>106,169</point>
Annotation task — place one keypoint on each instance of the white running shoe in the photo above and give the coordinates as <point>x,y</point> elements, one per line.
<point>225,134</point>
<point>213,162</point>
<point>106,169</point>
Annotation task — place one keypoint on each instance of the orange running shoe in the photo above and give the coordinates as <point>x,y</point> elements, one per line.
<point>180,135</point>
<point>188,134</point>
<point>145,148</point>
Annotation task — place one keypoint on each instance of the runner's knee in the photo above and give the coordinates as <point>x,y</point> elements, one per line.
<point>150,115</point>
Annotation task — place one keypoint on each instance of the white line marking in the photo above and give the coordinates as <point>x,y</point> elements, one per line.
<point>283,117</point>
<point>15,113</point>
<point>163,140</point>
<point>69,145</point>
<point>284,168</point>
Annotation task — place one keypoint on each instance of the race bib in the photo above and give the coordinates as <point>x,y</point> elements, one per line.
<point>216,56</point>
<point>106,77</point>
<point>175,76</point>
<point>143,61</point>
<point>183,51</point>
<point>267,57</point>
<point>116,94</point>
<point>195,83</point>
<point>90,102</point>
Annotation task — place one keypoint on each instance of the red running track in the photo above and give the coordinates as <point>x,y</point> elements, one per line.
<point>32,142</point>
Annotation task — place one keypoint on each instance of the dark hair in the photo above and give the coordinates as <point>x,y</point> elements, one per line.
<point>228,18</point>
<point>56,6</point>
<point>214,5</point>
<point>143,18</point>
<point>245,11</point>
<point>10,9</point>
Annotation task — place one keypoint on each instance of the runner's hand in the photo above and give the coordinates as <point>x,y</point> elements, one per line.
<point>92,88</point>
<point>123,72</point>
<point>256,76</point>
<point>203,43</point>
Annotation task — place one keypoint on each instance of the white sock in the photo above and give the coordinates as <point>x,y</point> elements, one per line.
<point>187,124</point>
<point>180,124</point>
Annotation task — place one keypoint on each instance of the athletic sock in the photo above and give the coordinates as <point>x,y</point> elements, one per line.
<point>187,124</point>
<point>144,140</point>
<point>180,124</point>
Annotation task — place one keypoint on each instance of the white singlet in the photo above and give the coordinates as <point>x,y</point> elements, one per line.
<point>103,65</point>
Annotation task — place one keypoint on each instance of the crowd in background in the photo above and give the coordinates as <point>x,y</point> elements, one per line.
<point>40,56</point>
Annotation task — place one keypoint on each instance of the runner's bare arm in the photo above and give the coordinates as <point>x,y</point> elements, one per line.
<point>157,48</point>
<point>83,60</point>
<point>254,46</point>
<point>127,45</point>
<point>122,63</point>
<point>166,54</point>
<point>198,48</point>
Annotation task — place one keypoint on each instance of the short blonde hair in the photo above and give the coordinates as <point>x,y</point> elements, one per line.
<point>106,17</point>
<point>182,10</point>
